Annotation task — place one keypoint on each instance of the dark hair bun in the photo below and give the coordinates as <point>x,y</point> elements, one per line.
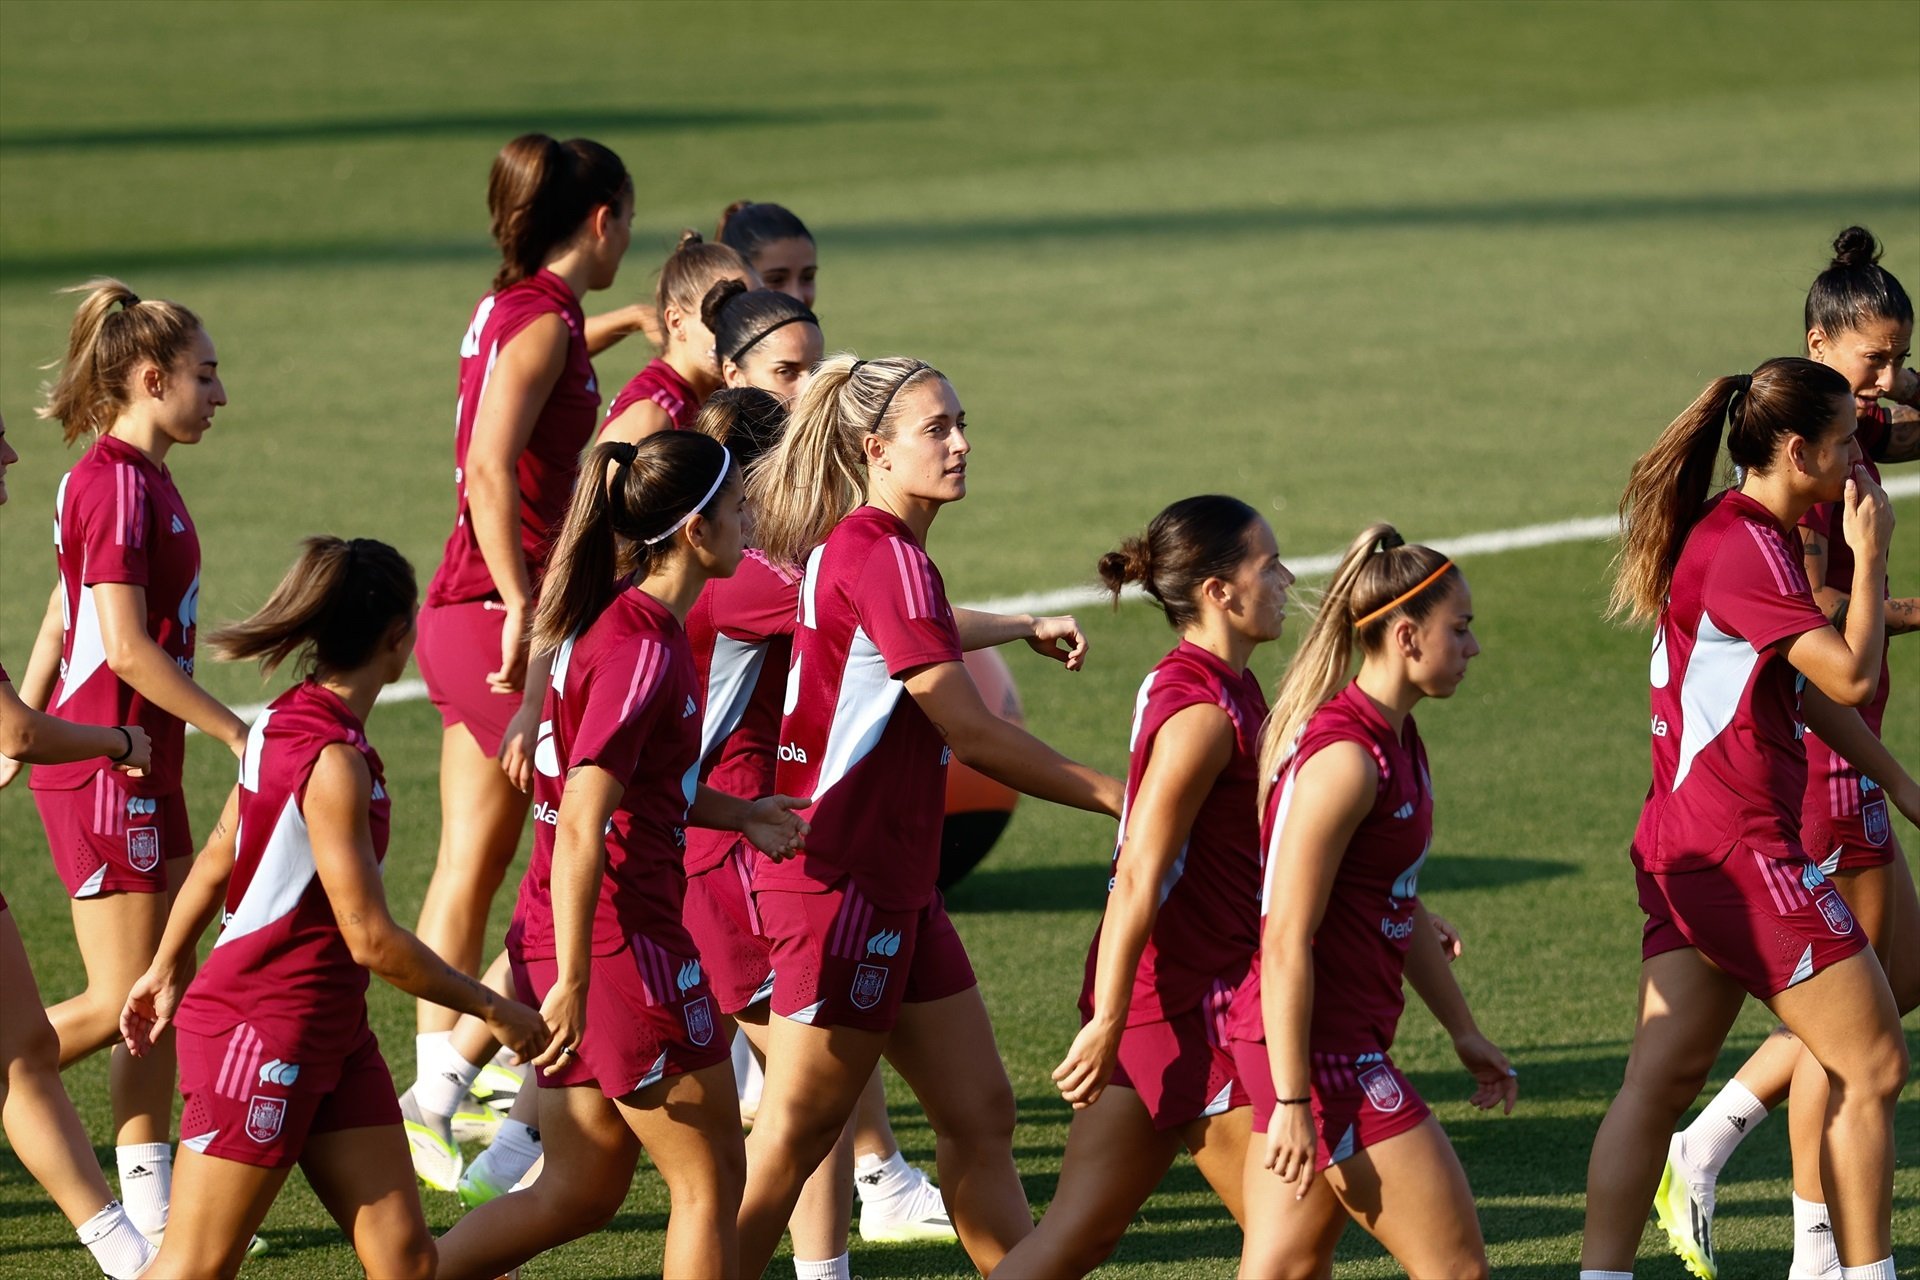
<point>688,238</point>
<point>1132,561</point>
<point>723,292</point>
<point>1855,248</point>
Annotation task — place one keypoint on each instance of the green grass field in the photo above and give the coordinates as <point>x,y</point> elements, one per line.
<point>1451,265</point>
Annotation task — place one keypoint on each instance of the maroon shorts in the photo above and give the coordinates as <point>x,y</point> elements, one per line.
<point>104,840</point>
<point>720,918</point>
<point>1182,1068</point>
<point>1846,825</point>
<point>458,647</point>
<point>650,1016</point>
<point>249,1103</point>
<point>1359,1100</point>
<point>1767,922</point>
<point>840,961</point>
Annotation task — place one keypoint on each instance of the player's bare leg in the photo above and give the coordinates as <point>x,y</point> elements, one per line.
<point>481,818</point>
<point>1218,1145</point>
<point>1286,1238</point>
<point>1687,1006</point>
<point>1846,1018</point>
<point>690,1127</point>
<point>363,1179</point>
<point>821,1215</point>
<point>1115,1159</point>
<point>945,1051</point>
<point>217,1206</point>
<point>1412,1195</point>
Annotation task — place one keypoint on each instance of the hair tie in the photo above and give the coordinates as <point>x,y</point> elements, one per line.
<point>887,404</point>
<point>1404,597</point>
<point>726,467</point>
<point>750,343</point>
<point>624,452</point>
<point>1388,541</point>
<point>858,365</point>
<point>1742,385</point>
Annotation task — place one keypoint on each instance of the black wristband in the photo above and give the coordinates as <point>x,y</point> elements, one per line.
<point>1840,615</point>
<point>128,739</point>
<point>1292,1102</point>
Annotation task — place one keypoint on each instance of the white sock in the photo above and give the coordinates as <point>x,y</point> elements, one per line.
<point>882,1179</point>
<point>146,1185</point>
<point>115,1243</point>
<point>430,1049</point>
<point>1715,1132</point>
<point>513,1152</point>
<point>1881,1270</point>
<point>748,1076</point>
<point>832,1269</point>
<point>1814,1254</point>
<point>1606,1275</point>
<point>440,1092</point>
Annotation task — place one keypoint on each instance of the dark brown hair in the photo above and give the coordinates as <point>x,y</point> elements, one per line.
<point>1855,289</point>
<point>113,331</point>
<point>626,494</point>
<point>740,317</point>
<point>541,191</point>
<point>751,226</point>
<point>747,420</point>
<point>334,608</point>
<point>1189,542</point>
<point>1669,484</point>
<point>692,269</point>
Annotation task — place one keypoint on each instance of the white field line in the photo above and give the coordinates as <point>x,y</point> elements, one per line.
<point>1492,542</point>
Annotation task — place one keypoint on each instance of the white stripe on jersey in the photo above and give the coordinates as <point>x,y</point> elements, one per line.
<point>861,710</point>
<point>1716,678</point>
<point>1273,846</point>
<point>285,871</point>
<point>732,675</point>
<point>89,652</point>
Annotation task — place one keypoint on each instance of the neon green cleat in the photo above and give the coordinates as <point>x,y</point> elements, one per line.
<point>1685,1212</point>
<point>436,1157</point>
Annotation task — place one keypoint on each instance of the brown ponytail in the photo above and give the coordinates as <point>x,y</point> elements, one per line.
<point>541,191</point>
<point>817,474</point>
<point>335,606</point>
<point>626,494</point>
<point>1191,541</point>
<point>113,331</point>
<point>1377,569</point>
<point>692,269</point>
<point>1669,484</point>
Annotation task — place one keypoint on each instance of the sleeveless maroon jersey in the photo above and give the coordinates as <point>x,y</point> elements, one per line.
<point>661,383</point>
<point>624,699</point>
<point>872,607</point>
<point>118,518</point>
<point>1208,923</point>
<point>1360,948</point>
<point>546,469</point>
<point>280,962</point>
<point>741,630</point>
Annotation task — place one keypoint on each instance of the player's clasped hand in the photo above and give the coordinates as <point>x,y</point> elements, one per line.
<point>1292,1148</point>
<point>518,1027</point>
<point>1060,639</point>
<point>565,1013</point>
<point>775,828</point>
<point>1083,1074</point>
<point>1497,1082</point>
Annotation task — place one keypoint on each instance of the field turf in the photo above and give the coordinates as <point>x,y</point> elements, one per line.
<point>1451,265</point>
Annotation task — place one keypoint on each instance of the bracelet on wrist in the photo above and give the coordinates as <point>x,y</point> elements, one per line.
<point>1292,1102</point>
<point>125,751</point>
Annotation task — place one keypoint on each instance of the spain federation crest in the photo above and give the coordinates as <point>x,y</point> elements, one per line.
<point>1833,909</point>
<point>1873,814</point>
<point>143,848</point>
<point>699,1015</point>
<point>265,1117</point>
<point>1382,1089</point>
<point>869,980</point>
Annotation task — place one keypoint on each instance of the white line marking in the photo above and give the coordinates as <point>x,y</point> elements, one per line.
<point>1492,542</point>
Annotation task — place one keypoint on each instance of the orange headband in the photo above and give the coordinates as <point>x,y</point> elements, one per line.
<point>1399,600</point>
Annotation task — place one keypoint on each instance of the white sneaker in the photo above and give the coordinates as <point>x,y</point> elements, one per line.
<point>918,1213</point>
<point>436,1156</point>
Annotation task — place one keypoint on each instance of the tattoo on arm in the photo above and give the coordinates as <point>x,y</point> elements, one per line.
<point>1903,435</point>
<point>1903,616</point>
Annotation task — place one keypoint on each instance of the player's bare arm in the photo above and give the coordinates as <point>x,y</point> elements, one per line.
<point>156,994</point>
<point>135,658</point>
<point>1903,435</point>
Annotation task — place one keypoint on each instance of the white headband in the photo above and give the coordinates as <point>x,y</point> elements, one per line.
<point>726,467</point>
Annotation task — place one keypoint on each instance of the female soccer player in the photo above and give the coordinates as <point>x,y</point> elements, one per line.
<point>1859,322</point>
<point>667,393</point>
<point>638,1057</point>
<point>278,1064</point>
<point>39,1118</point>
<point>762,338</point>
<point>1742,659</point>
<point>864,957</point>
<point>1150,1071</point>
<point>562,216</point>
<point>776,243</point>
<point>140,377</point>
<point>1348,820</point>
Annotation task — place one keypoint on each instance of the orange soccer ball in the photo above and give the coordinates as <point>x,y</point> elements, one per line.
<point>978,808</point>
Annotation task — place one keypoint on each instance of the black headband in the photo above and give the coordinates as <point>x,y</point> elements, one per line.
<point>750,343</point>
<point>918,367</point>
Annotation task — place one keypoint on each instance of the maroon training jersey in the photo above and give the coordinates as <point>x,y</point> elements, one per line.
<point>1360,948</point>
<point>118,518</point>
<point>546,469</point>
<point>661,383</point>
<point>872,608</point>
<point>1208,923</point>
<point>1729,767</point>
<point>280,961</point>
<point>741,630</point>
<point>624,699</point>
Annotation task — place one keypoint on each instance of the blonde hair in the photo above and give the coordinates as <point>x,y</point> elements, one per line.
<point>816,475</point>
<point>1377,569</point>
<point>690,270</point>
<point>113,331</point>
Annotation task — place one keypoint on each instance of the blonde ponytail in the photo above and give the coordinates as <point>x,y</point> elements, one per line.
<point>113,331</point>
